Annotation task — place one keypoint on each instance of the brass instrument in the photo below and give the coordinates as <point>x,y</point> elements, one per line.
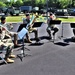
<point>29,25</point>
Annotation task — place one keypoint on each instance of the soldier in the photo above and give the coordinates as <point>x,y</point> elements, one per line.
<point>6,44</point>
<point>28,24</point>
<point>8,27</point>
<point>51,27</point>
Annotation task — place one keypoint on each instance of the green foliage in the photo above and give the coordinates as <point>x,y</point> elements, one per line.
<point>3,1</point>
<point>18,3</point>
<point>40,3</point>
<point>63,3</point>
<point>2,4</point>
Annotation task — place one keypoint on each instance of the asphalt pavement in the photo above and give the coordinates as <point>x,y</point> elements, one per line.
<point>47,58</point>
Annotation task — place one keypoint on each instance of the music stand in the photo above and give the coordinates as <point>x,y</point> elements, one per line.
<point>21,35</point>
<point>37,24</point>
<point>56,22</point>
<point>21,26</point>
<point>73,26</point>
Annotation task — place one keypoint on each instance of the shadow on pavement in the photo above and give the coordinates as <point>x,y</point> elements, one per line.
<point>2,63</point>
<point>36,44</point>
<point>61,43</point>
<point>69,40</point>
<point>42,38</point>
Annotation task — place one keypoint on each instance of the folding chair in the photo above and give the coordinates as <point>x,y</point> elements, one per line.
<point>3,50</point>
<point>21,35</point>
<point>1,57</point>
<point>7,45</point>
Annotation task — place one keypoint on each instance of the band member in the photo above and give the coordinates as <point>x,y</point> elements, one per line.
<point>51,27</point>
<point>28,24</point>
<point>8,27</point>
<point>6,44</point>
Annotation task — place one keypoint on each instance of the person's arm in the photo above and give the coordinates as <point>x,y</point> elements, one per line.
<point>24,21</point>
<point>2,33</point>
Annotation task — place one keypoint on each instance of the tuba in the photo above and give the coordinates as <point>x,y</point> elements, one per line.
<point>29,25</point>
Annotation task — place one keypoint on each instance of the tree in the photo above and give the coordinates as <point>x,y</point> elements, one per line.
<point>62,3</point>
<point>18,3</point>
<point>2,4</point>
<point>3,1</point>
<point>40,3</point>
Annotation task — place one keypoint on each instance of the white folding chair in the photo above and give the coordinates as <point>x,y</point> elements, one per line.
<point>3,50</point>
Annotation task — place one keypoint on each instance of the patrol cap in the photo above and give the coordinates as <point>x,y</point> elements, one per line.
<point>3,18</point>
<point>51,13</point>
<point>27,14</point>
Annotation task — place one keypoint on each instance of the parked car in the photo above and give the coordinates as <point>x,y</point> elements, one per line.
<point>61,12</point>
<point>13,11</point>
<point>5,10</point>
<point>71,12</point>
<point>35,9</point>
<point>26,8</point>
<point>52,9</point>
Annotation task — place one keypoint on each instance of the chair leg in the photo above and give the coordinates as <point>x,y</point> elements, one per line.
<point>53,38</point>
<point>3,60</point>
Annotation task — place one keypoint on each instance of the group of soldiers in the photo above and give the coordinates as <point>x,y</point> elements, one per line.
<point>5,32</point>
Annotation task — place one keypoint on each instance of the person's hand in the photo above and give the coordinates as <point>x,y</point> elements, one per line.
<point>3,29</point>
<point>10,23</point>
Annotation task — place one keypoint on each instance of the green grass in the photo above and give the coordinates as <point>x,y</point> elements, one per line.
<point>19,19</point>
<point>67,19</point>
<point>40,19</point>
<point>14,19</point>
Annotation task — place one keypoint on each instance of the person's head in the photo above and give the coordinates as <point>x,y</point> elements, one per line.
<point>3,19</point>
<point>28,16</point>
<point>51,14</point>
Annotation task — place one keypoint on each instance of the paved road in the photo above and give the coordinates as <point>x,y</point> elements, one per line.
<point>46,59</point>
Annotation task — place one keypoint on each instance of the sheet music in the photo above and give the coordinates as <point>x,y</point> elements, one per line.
<point>22,33</point>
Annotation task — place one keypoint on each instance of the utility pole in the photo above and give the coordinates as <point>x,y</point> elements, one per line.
<point>71,3</point>
<point>47,8</point>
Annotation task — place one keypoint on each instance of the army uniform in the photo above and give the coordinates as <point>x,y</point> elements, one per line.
<point>7,44</point>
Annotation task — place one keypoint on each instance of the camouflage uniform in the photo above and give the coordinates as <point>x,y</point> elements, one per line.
<point>5,42</point>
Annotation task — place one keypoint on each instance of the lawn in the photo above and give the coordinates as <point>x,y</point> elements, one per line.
<point>40,19</point>
<point>67,19</point>
<point>19,19</point>
<point>14,18</point>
